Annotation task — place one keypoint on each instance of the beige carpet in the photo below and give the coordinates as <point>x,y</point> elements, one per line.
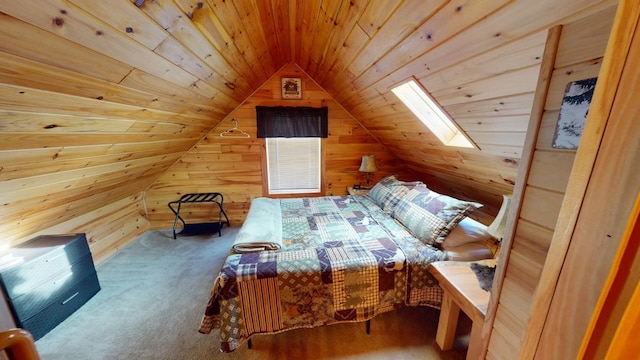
<point>155,290</point>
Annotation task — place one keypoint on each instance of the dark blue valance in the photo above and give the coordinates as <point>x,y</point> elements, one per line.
<point>289,121</point>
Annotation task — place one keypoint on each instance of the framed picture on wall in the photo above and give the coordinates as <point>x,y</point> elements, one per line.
<point>291,88</point>
<point>573,113</point>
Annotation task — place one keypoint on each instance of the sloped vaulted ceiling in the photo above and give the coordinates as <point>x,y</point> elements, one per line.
<point>116,91</point>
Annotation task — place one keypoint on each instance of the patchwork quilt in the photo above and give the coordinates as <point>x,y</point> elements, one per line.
<point>342,259</point>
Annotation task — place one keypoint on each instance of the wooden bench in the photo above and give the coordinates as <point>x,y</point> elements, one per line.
<point>461,292</point>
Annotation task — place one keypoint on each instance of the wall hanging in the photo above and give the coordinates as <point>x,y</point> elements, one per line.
<point>291,88</point>
<point>573,113</point>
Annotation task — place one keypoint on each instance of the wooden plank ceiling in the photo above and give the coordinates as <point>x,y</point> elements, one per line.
<point>107,95</point>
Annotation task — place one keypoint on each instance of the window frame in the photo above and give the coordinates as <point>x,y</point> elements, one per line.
<point>265,174</point>
<point>430,113</point>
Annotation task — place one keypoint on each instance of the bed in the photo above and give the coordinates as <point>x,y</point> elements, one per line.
<point>308,262</point>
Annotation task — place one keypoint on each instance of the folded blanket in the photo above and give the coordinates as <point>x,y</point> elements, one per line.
<point>255,246</point>
<point>262,230</point>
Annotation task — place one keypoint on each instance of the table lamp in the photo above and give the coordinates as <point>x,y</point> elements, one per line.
<point>368,166</point>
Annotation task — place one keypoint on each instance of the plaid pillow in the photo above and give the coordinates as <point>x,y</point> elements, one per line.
<point>388,192</point>
<point>430,216</point>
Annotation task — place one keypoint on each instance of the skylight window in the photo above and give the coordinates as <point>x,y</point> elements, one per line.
<point>430,113</point>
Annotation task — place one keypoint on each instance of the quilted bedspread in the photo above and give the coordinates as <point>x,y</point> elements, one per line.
<point>342,259</point>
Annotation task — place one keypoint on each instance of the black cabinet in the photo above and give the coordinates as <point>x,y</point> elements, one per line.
<point>52,276</point>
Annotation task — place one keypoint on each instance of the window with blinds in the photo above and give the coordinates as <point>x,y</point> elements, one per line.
<point>293,165</point>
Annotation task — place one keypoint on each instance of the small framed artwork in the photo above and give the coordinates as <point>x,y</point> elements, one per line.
<point>573,113</point>
<point>291,88</point>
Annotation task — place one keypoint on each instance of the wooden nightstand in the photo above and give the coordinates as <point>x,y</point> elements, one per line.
<point>353,191</point>
<point>461,292</point>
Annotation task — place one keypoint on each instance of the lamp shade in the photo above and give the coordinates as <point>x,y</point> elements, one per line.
<point>368,164</point>
<point>496,229</point>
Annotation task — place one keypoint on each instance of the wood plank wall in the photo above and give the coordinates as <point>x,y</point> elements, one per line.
<point>85,112</point>
<point>579,56</point>
<point>232,166</point>
<point>480,61</point>
<point>108,228</point>
<point>607,189</point>
<point>98,99</point>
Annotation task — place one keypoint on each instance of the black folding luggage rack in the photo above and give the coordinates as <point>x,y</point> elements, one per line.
<point>198,228</point>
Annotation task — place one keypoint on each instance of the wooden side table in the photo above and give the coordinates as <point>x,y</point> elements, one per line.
<point>461,292</point>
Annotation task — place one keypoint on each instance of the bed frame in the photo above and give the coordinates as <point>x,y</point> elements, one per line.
<point>337,259</point>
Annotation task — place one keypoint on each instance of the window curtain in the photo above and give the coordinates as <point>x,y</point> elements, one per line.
<point>288,122</point>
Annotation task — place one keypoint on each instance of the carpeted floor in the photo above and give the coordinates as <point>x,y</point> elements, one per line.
<point>154,292</point>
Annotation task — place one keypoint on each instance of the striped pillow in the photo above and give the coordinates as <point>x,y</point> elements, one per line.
<point>430,216</point>
<point>388,192</point>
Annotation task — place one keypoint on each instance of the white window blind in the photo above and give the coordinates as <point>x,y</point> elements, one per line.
<point>293,165</point>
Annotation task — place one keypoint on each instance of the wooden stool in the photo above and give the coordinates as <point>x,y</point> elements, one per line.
<point>461,292</point>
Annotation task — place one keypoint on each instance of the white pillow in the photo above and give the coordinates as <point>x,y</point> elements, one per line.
<point>467,231</point>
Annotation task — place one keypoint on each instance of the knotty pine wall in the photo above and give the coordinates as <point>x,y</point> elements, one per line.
<point>602,253</point>
<point>98,99</point>
<point>233,166</point>
<point>82,132</point>
<point>580,48</point>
